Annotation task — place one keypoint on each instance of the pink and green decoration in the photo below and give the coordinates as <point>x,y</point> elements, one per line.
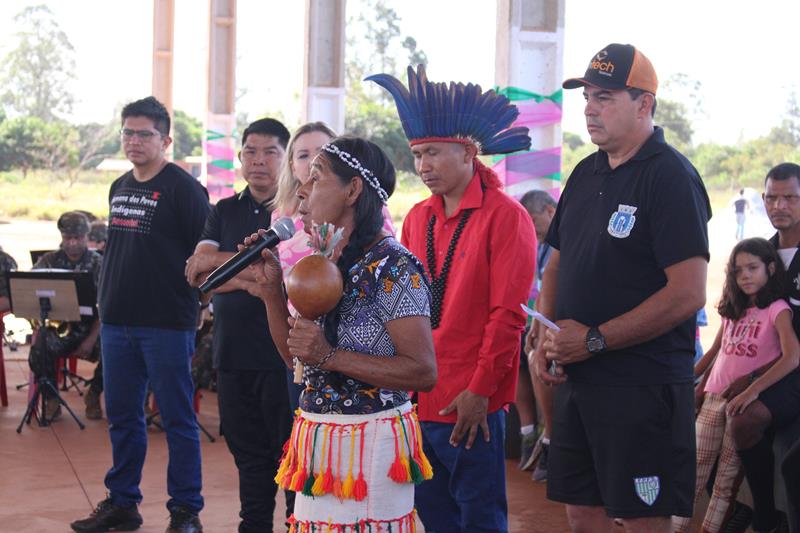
<point>220,153</point>
<point>540,167</point>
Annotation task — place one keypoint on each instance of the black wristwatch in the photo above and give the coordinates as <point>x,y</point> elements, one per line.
<point>595,342</point>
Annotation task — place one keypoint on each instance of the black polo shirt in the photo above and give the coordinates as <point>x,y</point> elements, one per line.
<point>616,231</point>
<point>791,285</point>
<point>241,333</point>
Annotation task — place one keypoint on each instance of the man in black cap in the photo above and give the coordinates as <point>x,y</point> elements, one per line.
<point>74,254</point>
<point>631,230</point>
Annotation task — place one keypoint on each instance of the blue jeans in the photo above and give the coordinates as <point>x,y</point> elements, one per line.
<point>132,356</point>
<point>468,489</point>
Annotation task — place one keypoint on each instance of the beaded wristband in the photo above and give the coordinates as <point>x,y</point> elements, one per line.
<point>325,358</point>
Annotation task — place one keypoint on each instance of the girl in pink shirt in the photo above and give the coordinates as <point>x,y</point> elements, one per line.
<point>754,348</point>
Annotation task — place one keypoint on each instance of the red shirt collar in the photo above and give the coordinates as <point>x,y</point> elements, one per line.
<point>472,199</point>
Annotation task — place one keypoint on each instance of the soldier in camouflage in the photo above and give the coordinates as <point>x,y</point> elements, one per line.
<point>83,337</point>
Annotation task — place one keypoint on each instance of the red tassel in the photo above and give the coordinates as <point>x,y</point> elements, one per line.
<point>360,488</point>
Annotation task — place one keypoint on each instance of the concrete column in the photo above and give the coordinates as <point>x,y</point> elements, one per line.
<point>219,145</point>
<point>323,60</point>
<point>163,51</point>
<point>529,60</point>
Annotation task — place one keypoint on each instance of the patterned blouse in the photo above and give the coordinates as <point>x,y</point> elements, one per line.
<point>386,284</point>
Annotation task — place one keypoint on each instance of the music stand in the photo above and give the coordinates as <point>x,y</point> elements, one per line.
<point>49,295</point>
<point>37,254</point>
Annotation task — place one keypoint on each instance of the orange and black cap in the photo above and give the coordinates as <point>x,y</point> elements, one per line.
<point>618,66</point>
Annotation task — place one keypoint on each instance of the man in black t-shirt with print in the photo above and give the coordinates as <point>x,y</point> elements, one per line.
<point>251,376</point>
<point>148,314</point>
<point>626,276</point>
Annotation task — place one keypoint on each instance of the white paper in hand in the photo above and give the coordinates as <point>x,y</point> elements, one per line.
<point>540,317</point>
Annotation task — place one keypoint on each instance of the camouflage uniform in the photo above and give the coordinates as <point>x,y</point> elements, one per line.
<point>89,262</point>
<point>6,263</point>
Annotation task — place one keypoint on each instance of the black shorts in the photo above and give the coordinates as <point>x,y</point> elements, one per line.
<point>783,399</point>
<point>628,449</point>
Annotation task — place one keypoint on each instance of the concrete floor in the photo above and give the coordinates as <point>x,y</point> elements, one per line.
<point>52,475</point>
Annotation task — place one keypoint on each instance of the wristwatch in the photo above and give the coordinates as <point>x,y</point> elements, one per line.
<point>595,342</point>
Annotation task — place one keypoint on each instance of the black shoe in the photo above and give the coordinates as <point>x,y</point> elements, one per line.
<point>540,473</point>
<point>182,520</point>
<point>109,517</point>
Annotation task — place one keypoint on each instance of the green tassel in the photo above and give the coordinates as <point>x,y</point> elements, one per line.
<point>416,472</point>
<point>308,486</point>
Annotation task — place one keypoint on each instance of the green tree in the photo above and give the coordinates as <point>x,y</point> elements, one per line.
<point>187,135</point>
<point>369,110</point>
<point>673,117</point>
<point>21,144</point>
<point>37,72</point>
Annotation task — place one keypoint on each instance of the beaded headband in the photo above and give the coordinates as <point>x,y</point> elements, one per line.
<point>355,164</point>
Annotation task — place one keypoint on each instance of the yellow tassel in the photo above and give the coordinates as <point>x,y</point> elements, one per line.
<point>347,486</point>
<point>318,488</point>
<point>406,467</point>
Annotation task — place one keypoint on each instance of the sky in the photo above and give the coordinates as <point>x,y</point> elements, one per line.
<point>745,58</point>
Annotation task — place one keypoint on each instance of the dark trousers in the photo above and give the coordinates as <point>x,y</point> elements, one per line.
<point>468,491</point>
<point>133,358</point>
<point>256,421</point>
<point>96,383</point>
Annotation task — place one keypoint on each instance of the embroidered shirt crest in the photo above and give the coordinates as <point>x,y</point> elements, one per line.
<point>621,222</point>
<point>647,488</point>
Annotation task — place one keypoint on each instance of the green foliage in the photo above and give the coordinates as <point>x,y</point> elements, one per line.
<point>187,134</point>
<point>20,143</point>
<point>672,116</point>
<point>722,167</point>
<point>33,197</point>
<point>36,73</point>
<point>369,110</point>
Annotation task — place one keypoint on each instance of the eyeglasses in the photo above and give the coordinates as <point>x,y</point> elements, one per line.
<point>143,135</point>
<point>788,199</point>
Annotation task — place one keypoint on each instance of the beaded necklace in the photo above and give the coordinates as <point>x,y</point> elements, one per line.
<point>438,284</point>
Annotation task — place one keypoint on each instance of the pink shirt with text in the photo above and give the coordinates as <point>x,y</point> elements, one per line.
<point>747,344</point>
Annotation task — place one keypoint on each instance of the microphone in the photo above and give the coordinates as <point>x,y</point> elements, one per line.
<point>282,230</point>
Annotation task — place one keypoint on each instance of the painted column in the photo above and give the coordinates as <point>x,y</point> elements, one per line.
<point>323,60</point>
<point>163,53</point>
<point>529,71</point>
<point>220,145</point>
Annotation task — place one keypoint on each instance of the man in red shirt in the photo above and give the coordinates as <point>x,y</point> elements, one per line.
<point>478,246</point>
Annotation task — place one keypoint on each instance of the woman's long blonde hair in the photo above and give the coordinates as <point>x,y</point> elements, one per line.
<point>285,201</point>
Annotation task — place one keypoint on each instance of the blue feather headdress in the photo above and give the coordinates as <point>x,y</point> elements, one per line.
<point>437,112</point>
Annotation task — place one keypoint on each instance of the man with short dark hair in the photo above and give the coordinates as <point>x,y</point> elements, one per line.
<point>251,375</point>
<point>625,278</point>
<point>74,254</point>
<point>779,406</point>
<point>148,313</point>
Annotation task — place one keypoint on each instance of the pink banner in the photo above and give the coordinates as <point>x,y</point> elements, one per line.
<point>219,172</point>
<point>537,115</point>
<point>220,150</point>
<point>539,163</point>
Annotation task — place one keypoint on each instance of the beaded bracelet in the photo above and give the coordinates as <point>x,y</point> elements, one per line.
<point>325,359</point>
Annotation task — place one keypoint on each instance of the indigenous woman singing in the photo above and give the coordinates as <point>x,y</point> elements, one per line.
<point>355,451</point>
